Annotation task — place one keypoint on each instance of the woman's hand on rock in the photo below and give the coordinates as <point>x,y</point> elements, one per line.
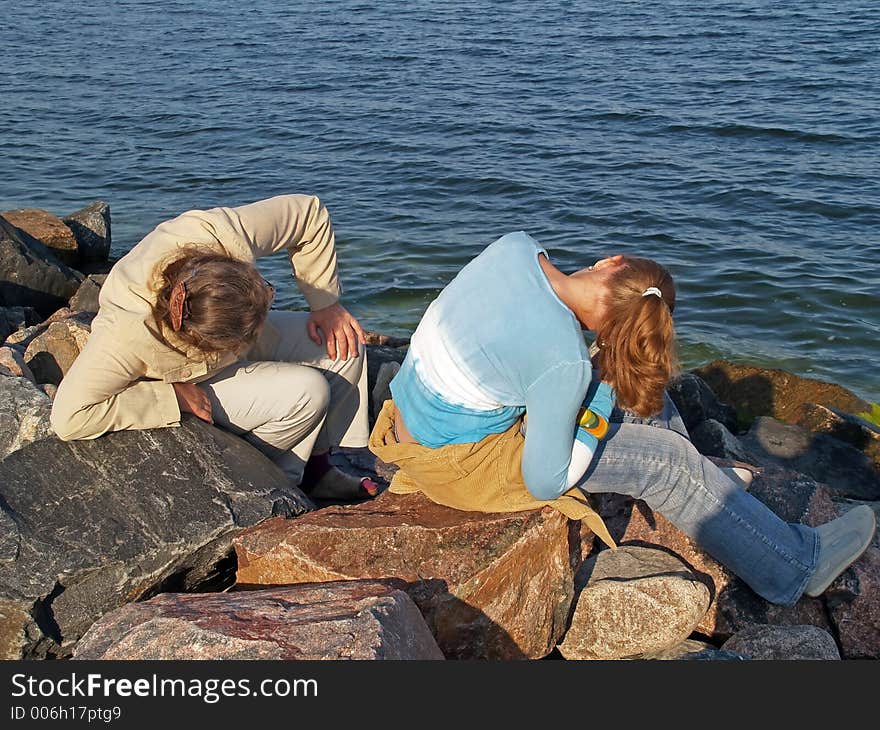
<point>341,331</point>
<point>192,399</point>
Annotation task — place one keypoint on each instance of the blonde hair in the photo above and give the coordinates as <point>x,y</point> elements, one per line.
<point>227,300</point>
<point>637,338</point>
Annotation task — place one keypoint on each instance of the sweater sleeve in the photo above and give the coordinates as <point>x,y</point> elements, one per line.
<point>102,392</point>
<point>552,404</point>
<point>591,428</point>
<point>299,225</point>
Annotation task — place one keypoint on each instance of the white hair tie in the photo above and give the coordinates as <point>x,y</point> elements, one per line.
<point>652,290</point>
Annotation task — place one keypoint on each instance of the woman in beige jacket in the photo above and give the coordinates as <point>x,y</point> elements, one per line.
<point>184,326</point>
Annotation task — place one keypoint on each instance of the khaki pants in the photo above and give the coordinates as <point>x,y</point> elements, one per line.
<point>294,400</point>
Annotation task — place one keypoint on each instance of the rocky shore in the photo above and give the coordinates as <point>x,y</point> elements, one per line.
<point>187,542</point>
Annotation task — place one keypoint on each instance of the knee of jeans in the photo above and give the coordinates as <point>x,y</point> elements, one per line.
<point>675,449</point>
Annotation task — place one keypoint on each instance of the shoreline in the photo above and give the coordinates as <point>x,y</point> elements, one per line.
<point>165,552</point>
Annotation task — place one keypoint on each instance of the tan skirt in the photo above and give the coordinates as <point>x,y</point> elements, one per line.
<point>478,477</point>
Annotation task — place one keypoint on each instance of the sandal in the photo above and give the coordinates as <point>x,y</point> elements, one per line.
<point>336,484</point>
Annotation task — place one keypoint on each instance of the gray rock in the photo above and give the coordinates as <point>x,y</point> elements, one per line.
<point>15,318</point>
<point>377,356</point>
<point>714,439</point>
<point>696,402</point>
<point>633,601</point>
<point>24,415</point>
<point>679,651</point>
<point>375,338</point>
<point>847,471</point>
<point>783,642</point>
<point>692,650</point>
<point>337,620</point>
<point>30,275</point>
<point>714,655</point>
<point>88,526</point>
<point>382,389</point>
<point>91,228</point>
<point>857,432</point>
<point>19,317</point>
<point>86,297</point>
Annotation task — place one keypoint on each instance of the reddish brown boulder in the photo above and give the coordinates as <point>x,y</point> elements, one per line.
<point>854,604</point>
<point>22,338</point>
<point>48,229</point>
<point>792,496</point>
<point>338,620</point>
<point>50,354</point>
<point>756,391</point>
<point>489,585</point>
<point>13,361</point>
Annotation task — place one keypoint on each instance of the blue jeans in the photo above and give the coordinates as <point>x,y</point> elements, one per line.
<point>653,460</point>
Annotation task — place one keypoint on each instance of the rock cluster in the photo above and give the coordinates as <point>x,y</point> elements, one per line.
<point>188,543</point>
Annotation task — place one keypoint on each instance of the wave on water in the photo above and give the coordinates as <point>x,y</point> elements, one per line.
<point>735,143</point>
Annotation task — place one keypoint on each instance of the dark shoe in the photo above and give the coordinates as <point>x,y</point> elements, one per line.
<point>336,484</point>
<point>841,543</point>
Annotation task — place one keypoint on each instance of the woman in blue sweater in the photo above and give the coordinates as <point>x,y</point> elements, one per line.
<point>504,341</point>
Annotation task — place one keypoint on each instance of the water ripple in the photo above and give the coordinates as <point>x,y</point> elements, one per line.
<point>735,142</point>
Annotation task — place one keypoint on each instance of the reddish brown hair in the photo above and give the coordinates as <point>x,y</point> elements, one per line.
<point>226,299</point>
<point>637,339</point>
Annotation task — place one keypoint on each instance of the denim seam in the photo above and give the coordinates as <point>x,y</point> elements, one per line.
<point>781,552</point>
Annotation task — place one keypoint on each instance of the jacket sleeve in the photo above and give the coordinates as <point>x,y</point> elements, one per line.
<point>552,404</point>
<point>300,225</point>
<point>102,392</point>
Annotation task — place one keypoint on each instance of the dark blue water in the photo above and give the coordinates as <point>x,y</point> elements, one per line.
<point>736,142</point>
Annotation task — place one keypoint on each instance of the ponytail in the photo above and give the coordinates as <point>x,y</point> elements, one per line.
<point>637,338</point>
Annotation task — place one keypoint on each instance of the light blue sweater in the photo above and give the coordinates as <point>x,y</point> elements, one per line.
<point>515,344</point>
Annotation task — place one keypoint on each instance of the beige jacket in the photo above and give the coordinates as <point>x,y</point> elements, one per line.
<point>122,378</point>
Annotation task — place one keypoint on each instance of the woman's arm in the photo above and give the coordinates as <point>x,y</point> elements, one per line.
<point>299,225</point>
<point>562,436</point>
<point>552,405</point>
<point>592,426</point>
<point>102,392</point>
